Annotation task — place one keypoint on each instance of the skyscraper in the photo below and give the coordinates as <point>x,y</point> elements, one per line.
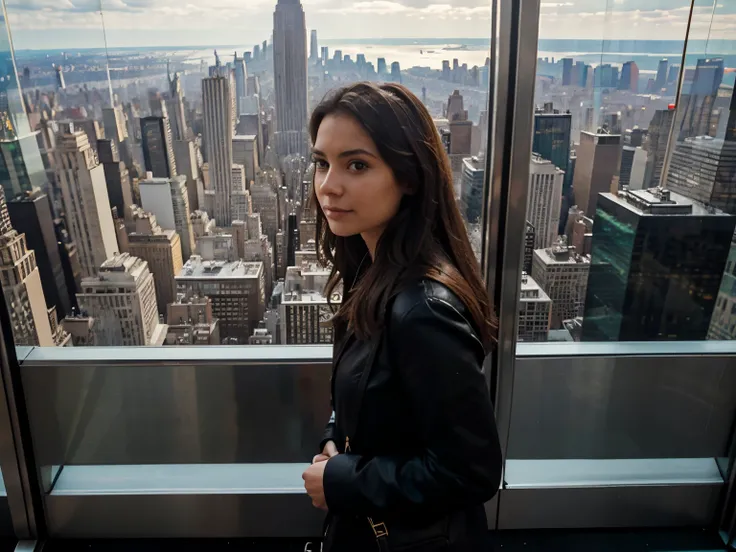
<point>535,308</point>
<point>191,322</point>
<point>382,71</point>
<point>85,200</point>
<point>704,169</point>
<point>655,145</point>
<point>597,162</point>
<point>117,177</point>
<point>697,102</point>
<point>31,215</point>
<point>161,249</point>
<point>472,188</point>
<point>396,72</point>
<point>563,275</point>
<point>21,167</point>
<point>175,108</point>
<point>236,289</point>
<point>629,77</point>
<point>245,152</point>
<point>167,199</point>
<point>656,267</point>
<point>567,71</point>
<point>313,46</point>
<point>661,80</point>
<point>633,168</point>
<point>21,283</point>
<point>158,147</point>
<point>218,132</point>
<point>290,76</point>
<point>122,300</point>
<point>544,200</point>
<point>552,138</point>
<point>241,83</point>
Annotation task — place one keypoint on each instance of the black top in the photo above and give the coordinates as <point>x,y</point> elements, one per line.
<point>424,444</point>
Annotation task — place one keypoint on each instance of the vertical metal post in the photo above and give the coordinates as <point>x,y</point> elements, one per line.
<point>511,124</point>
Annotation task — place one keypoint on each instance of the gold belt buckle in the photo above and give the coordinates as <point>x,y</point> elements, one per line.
<point>379,529</point>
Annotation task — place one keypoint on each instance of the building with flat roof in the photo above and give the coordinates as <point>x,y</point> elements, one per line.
<point>122,300</point>
<point>237,291</point>
<point>191,322</point>
<point>563,275</point>
<point>656,267</point>
<point>535,309</point>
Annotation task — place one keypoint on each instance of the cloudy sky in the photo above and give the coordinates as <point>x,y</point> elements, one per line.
<point>42,24</point>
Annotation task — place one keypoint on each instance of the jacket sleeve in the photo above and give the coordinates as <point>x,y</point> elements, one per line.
<point>439,360</point>
<point>330,433</point>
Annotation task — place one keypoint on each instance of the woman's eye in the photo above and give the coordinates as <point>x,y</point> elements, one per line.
<point>321,164</point>
<point>357,166</point>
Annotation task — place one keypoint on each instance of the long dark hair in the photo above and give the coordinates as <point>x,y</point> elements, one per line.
<point>427,237</point>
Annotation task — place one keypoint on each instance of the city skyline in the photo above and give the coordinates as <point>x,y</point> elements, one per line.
<point>129,22</point>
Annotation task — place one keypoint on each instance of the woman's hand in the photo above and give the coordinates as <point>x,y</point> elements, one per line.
<point>312,477</point>
<point>328,452</point>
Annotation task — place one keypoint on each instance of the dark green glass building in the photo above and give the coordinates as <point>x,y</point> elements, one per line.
<point>656,267</point>
<point>552,139</point>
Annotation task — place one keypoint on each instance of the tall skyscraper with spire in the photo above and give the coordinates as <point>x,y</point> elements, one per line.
<point>290,76</point>
<point>241,84</point>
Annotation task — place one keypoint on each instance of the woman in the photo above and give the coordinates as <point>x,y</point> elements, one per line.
<point>411,452</point>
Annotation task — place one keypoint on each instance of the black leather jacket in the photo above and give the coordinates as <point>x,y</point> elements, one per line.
<point>425,445</point>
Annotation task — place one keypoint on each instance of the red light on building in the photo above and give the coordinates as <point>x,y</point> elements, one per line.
<point>671,106</point>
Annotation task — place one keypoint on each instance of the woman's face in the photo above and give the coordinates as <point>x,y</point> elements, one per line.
<point>356,189</point>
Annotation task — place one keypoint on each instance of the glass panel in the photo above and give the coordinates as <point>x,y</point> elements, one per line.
<point>177,177</point>
<point>618,248</point>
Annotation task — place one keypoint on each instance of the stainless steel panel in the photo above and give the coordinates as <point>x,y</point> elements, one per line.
<point>135,411</point>
<point>518,27</point>
<point>625,507</point>
<point>184,516</point>
<point>622,407</point>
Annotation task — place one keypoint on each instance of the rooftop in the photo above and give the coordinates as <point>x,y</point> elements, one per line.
<point>196,268</point>
<point>661,202</point>
<point>304,298</point>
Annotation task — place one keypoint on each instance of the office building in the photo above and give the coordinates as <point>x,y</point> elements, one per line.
<point>396,72</point>
<point>304,311</point>
<point>85,200</point>
<point>117,178</point>
<point>60,82</point>
<point>245,152</point>
<point>605,76</point>
<point>241,83</point>
<point>22,287</point>
<point>704,169</point>
<point>81,330</point>
<point>69,257</point>
<point>218,133</point>
<point>161,249</point>
<point>656,267</point>
<point>191,322</point>
<point>655,145</point>
<point>472,188</point>
<point>579,231</point>
<point>122,300</point>
<point>597,162</point>
<point>158,147</point>
<point>661,81</point>
<point>186,153</point>
<point>240,200</point>
<point>529,238</point>
<point>290,77</point>
<point>313,46</point>
<point>566,71</point>
<point>168,200</point>
<point>236,289</point>
<point>633,168</point>
<point>697,102</point>
<point>544,200</point>
<point>535,309</point>
<point>30,214</point>
<point>563,275</point>
<point>265,202</point>
<point>629,77</point>
<point>723,321</point>
<point>552,138</point>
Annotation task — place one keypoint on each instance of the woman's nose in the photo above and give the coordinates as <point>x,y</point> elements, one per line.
<point>330,184</point>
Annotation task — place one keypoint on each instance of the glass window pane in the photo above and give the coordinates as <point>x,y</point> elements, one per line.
<point>172,182</point>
